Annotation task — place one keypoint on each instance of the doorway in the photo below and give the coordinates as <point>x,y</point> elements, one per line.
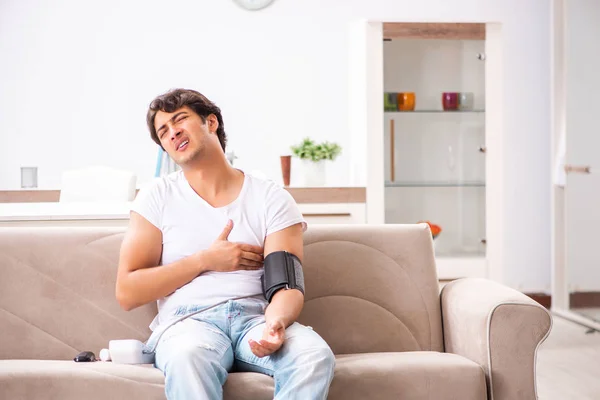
<point>576,183</point>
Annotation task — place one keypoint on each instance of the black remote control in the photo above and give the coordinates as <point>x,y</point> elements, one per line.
<point>85,356</point>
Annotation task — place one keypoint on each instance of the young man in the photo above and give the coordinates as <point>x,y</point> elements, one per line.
<point>197,238</point>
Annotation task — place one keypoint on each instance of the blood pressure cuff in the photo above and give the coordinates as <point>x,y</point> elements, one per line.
<point>283,270</point>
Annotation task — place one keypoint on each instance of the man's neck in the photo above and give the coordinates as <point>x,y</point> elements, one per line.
<point>217,182</point>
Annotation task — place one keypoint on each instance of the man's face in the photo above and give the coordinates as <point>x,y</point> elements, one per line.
<point>183,134</point>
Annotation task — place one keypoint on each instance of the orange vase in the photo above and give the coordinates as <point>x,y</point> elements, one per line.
<point>406,101</point>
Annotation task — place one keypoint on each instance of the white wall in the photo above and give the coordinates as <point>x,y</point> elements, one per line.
<point>76,78</point>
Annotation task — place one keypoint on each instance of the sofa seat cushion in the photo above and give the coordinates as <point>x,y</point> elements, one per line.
<point>407,375</point>
<point>49,379</point>
<point>66,380</point>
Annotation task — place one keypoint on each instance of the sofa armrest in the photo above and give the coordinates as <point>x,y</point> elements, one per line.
<point>500,329</point>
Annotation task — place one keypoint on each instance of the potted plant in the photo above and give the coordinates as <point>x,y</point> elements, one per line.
<point>313,156</point>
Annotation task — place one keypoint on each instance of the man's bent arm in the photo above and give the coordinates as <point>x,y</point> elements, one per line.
<point>138,280</point>
<point>285,305</point>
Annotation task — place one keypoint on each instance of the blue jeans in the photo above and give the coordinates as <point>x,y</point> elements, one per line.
<point>197,353</point>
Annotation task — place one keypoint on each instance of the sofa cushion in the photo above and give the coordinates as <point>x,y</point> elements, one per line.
<point>372,288</point>
<point>65,380</point>
<point>408,375</point>
<point>48,379</point>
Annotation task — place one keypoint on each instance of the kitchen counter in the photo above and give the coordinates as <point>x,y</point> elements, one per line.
<point>64,214</point>
<point>117,214</point>
<point>63,211</point>
<point>300,194</point>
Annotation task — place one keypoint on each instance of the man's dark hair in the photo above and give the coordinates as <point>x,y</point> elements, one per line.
<point>175,99</point>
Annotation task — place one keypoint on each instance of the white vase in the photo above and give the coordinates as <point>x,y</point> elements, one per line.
<point>313,173</point>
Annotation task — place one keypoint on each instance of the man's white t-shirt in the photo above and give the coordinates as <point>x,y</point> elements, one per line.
<point>189,224</point>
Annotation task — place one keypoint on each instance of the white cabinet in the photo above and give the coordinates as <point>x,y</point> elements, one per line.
<point>333,213</point>
<point>53,214</point>
<point>434,158</point>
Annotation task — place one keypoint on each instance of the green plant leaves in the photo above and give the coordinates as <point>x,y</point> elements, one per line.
<point>309,150</point>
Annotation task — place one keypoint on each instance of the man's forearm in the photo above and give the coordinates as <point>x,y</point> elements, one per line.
<point>149,284</point>
<point>286,306</point>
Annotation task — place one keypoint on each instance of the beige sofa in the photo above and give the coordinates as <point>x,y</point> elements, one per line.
<point>372,293</point>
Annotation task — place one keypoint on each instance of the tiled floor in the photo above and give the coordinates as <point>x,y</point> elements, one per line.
<point>568,363</point>
<point>593,313</point>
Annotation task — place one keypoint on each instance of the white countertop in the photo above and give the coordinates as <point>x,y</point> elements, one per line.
<point>57,211</point>
<point>63,211</point>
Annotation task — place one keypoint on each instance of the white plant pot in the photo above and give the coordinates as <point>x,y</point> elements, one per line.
<point>313,173</point>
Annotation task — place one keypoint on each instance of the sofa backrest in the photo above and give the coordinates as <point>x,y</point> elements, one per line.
<point>57,292</point>
<point>369,288</point>
<point>372,288</point>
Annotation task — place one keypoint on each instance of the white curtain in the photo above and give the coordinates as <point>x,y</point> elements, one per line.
<point>164,164</point>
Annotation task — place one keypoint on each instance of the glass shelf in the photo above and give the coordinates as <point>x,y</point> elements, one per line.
<point>454,253</point>
<point>434,184</point>
<point>435,112</point>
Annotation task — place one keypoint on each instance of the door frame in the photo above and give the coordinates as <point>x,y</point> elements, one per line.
<point>559,270</point>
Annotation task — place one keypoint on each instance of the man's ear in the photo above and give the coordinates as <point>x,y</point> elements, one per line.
<point>213,123</point>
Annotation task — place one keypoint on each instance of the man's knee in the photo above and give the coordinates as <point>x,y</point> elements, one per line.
<point>193,372</point>
<point>308,348</point>
<point>325,358</point>
<point>319,358</point>
<point>198,359</point>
